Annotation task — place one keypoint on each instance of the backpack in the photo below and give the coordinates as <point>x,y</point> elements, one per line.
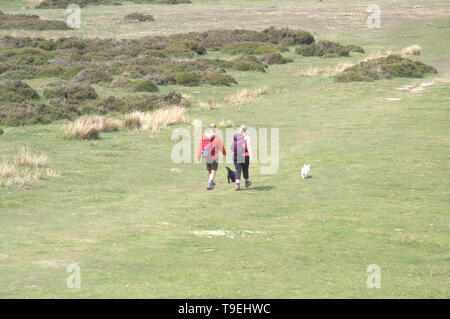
<point>207,146</point>
<point>238,147</point>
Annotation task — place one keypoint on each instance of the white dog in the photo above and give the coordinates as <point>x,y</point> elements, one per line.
<point>305,171</point>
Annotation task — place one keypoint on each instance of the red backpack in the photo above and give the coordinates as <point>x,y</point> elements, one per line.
<point>207,146</point>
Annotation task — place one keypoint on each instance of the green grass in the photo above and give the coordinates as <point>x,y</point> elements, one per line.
<point>123,214</point>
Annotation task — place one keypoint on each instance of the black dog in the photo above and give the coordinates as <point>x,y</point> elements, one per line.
<point>231,176</point>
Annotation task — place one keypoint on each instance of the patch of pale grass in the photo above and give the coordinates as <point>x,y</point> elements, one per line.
<point>209,105</point>
<point>281,91</point>
<point>412,50</point>
<point>21,173</point>
<point>12,175</point>
<point>325,71</point>
<point>26,158</point>
<point>260,91</point>
<point>380,54</point>
<point>156,120</point>
<point>225,123</point>
<point>245,96</point>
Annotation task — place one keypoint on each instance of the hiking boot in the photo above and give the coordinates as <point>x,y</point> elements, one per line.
<point>238,187</point>
<point>214,183</point>
<point>248,184</point>
<point>210,186</point>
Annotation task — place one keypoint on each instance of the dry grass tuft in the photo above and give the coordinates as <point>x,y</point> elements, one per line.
<point>28,159</point>
<point>225,123</point>
<point>324,71</point>
<point>209,105</point>
<point>186,100</point>
<point>89,127</point>
<point>134,120</point>
<point>12,175</point>
<point>245,96</point>
<point>156,120</point>
<point>281,91</point>
<point>162,118</point>
<point>111,125</point>
<point>84,128</point>
<point>412,50</point>
<point>380,54</point>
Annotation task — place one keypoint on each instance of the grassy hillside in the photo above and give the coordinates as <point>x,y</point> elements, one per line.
<point>140,226</point>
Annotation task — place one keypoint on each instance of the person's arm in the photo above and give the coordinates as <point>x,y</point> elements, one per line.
<point>222,148</point>
<point>249,148</point>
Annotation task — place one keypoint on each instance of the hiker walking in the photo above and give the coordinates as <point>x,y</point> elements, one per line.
<point>209,147</point>
<point>242,156</point>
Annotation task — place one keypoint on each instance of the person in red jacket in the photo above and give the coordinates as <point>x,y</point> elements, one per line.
<point>209,147</point>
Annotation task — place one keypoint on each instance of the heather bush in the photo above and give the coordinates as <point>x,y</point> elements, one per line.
<point>72,91</point>
<point>276,58</point>
<point>137,16</point>
<point>92,76</point>
<point>385,68</point>
<point>16,91</point>
<point>188,79</point>
<point>257,48</point>
<point>145,86</point>
<point>30,22</point>
<point>323,49</point>
<point>248,63</point>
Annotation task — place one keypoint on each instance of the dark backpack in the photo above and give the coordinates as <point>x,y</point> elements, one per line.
<point>238,146</point>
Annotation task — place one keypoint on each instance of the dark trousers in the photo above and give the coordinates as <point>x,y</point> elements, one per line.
<point>241,163</point>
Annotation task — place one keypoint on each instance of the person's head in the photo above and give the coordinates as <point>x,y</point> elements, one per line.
<point>243,129</point>
<point>212,128</point>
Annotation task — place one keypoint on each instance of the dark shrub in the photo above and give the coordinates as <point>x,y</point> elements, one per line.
<point>188,79</point>
<point>30,22</point>
<point>73,91</point>
<point>136,16</point>
<point>326,49</point>
<point>216,63</point>
<point>60,108</point>
<point>276,58</point>
<point>131,71</point>
<point>36,53</point>
<point>30,59</point>
<point>145,86</point>
<point>355,48</point>
<point>16,91</point>
<point>121,82</point>
<point>286,36</point>
<point>1,131</point>
<point>219,79</point>
<point>385,68</point>
<point>184,48</point>
<point>71,71</point>
<point>23,114</point>
<point>250,48</point>
<point>248,63</point>
<point>49,71</point>
<point>92,76</point>
<point>103,106</point>
<point>216,39</point>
